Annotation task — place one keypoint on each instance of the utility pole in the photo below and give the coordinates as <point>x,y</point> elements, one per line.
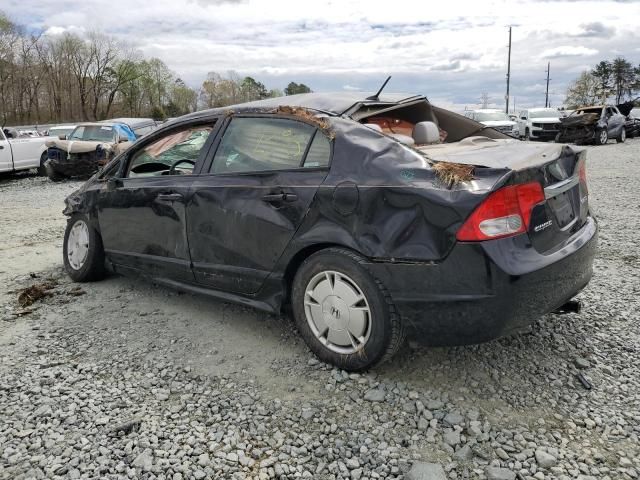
<point>546,98</point>
<point>508,73</point>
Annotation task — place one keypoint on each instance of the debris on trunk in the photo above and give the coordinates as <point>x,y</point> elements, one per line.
<point>453,173</point>
<point>29,295</point>
<point>322,123</point>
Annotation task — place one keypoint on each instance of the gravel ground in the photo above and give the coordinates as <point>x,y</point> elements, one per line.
<point>123,379</point>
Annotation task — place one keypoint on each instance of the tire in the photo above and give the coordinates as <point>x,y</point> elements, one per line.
<point>331,279</point>
<point>602,136</point>
<point>42,171</point>
<point>527,135</point>
<point>87,263</point>
<point>622,137</point>
<point>53,175</point>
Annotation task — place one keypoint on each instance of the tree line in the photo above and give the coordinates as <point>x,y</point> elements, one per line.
<point>618,80</point>
<point>70,78</point>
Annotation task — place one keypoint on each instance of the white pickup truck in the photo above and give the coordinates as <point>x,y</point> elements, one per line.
<point>22,153</point>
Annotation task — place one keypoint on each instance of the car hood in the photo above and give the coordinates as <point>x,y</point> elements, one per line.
<point>486,152</point>
<point>75,146</point>
<point>499,123</point>
<point>546,120</point>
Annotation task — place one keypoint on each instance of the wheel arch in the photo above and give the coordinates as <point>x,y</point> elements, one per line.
<point>297,259</point>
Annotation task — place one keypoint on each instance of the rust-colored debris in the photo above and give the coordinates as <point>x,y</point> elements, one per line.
<point>29,295</point>
<point>453,173</point>
<point>322,123</point>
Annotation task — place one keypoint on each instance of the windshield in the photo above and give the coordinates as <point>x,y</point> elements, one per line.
<point>93,133</point>
<point>549,112</point>
<point>57,131</point>
<point>491,116</point>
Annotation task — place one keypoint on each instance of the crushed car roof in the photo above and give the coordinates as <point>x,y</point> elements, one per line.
<point>335,103</point>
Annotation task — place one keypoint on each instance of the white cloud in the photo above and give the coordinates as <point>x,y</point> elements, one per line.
<point>453,53</point>
<point>351,88</point>
<point>568,51</point>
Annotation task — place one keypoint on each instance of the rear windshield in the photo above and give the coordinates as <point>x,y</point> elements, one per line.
<point>93,133</point>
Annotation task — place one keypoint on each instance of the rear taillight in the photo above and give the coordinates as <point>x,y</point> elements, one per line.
<point>503,213</point>
<point>582,173</point>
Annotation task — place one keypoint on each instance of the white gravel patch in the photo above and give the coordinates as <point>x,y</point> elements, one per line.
<point>123,379</point>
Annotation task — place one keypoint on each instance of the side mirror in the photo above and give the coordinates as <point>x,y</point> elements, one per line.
<point>62,137</point>
<point>113,183</point>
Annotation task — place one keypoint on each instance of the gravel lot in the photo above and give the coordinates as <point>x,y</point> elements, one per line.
<point>123,379</point>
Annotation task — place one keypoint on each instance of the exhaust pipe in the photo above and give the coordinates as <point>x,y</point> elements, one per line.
<point>572,306</point>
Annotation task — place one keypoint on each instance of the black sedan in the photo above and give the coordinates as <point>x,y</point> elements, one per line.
<point>372,218</point>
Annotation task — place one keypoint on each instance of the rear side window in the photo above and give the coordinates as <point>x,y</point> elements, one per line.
<point>319,152</point>
<point>263,144</point>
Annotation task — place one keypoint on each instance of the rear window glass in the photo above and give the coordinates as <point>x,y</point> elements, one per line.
<point>319,152</point>
<point>93,133</point>
<point>262,144</point>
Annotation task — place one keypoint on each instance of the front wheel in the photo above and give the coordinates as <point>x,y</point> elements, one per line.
<point>343,313</point>
<point>82,250</point>
<point>42,171</point>
<point>622,137</point>
<point>602,136</point>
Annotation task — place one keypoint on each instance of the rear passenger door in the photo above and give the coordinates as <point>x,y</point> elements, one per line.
<point>247,207</point>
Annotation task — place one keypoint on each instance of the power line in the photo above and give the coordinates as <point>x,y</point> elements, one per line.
<point>546,98</point>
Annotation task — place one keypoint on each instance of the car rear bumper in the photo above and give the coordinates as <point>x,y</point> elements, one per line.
<point>482,291</point>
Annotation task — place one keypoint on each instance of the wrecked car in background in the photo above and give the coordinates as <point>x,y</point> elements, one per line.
<point>632,119</point>
<point>91,145</point>
<point>595,124</point>
<point>371,217</point>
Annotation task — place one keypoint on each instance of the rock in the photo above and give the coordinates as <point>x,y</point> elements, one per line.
<point>581,363</point>
<point>545,460</point>
<point>426,471</point>
<point>352,463</point>
<point>453,419</point>
<point>464,454</point>
<point>497,473</point>
<point>144,460</point>
<point>375,395</point>
<point>356,474</point>
<point>452,438</point>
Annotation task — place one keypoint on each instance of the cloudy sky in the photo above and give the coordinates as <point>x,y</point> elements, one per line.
<point>450,50</point>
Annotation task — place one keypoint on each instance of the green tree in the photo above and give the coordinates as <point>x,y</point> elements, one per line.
<point>294,88</point>
<point>624,78</point>
<point>252,90</point>
<point>603,75</point>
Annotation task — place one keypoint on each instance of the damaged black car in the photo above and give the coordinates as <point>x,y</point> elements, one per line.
<point>369,218</point>
<point>595,125</point>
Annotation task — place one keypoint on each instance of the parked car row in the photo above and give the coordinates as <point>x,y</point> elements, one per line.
<point>592,124</point>
<point>70,150</point>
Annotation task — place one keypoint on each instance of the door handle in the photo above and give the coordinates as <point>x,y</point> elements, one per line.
<point>280,197</point>
<point>170,197</point>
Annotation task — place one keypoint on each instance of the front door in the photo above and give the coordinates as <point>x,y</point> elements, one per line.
<point>142,215</point>
<point>249,204</point>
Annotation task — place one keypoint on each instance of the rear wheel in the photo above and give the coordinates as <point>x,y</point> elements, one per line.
<point>82,250</point>
<point>622,137</point>
<point>602,136</point>
<point>343,313</point>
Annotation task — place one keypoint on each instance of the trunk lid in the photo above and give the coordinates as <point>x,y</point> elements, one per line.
<point>556,167</point>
